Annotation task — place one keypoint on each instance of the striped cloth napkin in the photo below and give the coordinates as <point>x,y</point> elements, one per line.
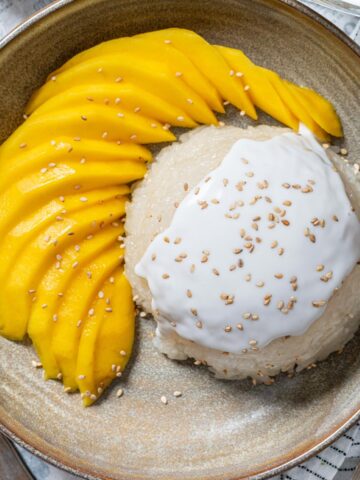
<point>341,460</point>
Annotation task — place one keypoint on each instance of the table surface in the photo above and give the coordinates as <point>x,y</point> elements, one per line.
<point>14,11</point>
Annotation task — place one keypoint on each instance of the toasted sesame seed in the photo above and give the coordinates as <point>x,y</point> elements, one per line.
<point>36,364</point>
<point>189,293</point>
<point>278,275</point>
<point>165,276</point>
<point>335,218</point>
<point>280,251</point>
<point>239,326</point>
<point>228,329</point>
<point>194,311</point>
<point>318,303</point>
<point>249,174</point>
<point>312,238</point>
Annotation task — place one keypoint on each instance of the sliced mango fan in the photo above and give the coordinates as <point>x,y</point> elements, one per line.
<point>65,175</point>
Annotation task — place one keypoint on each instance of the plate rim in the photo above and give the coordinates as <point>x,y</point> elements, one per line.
<point>282,466</point>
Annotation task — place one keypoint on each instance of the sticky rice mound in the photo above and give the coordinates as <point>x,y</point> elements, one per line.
<point>176,171</point>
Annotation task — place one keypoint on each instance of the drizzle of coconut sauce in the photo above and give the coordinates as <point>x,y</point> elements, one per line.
<point>256,249</point>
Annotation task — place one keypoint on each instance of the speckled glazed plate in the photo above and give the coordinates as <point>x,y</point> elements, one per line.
<point>216,430</point>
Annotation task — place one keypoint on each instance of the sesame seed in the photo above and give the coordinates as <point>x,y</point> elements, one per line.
<point>248,277</point>
<point>194,311</point>
<point>36,364</point>
<point>280,305</point>
<point>278,275</point>
<point>280,251</point>
<point>55,317</point>
<point>180,118</point>
<point>320,268</point>
<point>247,88</point>
<point>260,284</point>
<point>177,393</point>
<point>178,74</point>
<point>215,271</point>
<point>199,324</point>
<point>285,222</point>
<point>164,400</point>
<point>118,79</point>
<point>120,393</point>
<point>167,42</point>
<point>189,100</point>
<point>78,324</point>
<point>153,257</point>
<point>267,299</point>
<point>231,73</point>
<point>274,244</point>
<point>239,326</point>
<point>246,315</point>
<point>165,276</point>
<point>228,329</point>
<point>81,377</point>
<point>318,303</point>
<point>343,151</point>
<point>133,136</point>
<point>252,342</point>
<point>287,203</point>
<point>335,218</point>
<point>249,174</point>
<point>189,293</point>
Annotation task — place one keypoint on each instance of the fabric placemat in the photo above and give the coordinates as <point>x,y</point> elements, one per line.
<point>339,461</point>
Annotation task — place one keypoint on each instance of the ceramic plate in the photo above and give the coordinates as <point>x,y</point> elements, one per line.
<point>217,429</point>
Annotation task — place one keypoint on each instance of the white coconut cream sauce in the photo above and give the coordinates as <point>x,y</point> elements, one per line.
<point>256,249</point>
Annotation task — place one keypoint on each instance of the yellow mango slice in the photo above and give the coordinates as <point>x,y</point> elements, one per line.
<point>51,290</point>
<point>37,189</point>
<point>16,240</point>
<point>319,108</point>
<point>94,122</point>
<point>64,150</point>
<point>293,103</point>
<point>262,92</point>
<point>15,301</point>
<point>209,61</point>
<point>75,308</point>
<point>155,77</point>
<point>141,49</point>
<point>107,338</point>
<point>124,95</point>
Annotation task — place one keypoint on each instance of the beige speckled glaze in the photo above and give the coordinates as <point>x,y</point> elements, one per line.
<point>216,430</point>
